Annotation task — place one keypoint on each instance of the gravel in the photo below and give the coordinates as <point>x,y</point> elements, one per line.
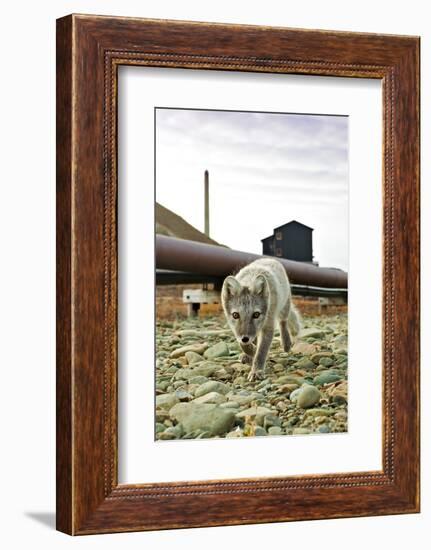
<point>202,389</point>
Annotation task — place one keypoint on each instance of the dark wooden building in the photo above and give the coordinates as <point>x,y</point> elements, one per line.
<point>293,241</point>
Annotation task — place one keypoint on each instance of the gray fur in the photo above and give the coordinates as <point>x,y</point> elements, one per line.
<point>262,288</point>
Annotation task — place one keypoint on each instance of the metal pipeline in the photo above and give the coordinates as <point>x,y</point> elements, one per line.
<point>218,261</point>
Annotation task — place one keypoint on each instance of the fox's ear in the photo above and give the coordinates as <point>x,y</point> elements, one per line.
<point>259,285</point>
<point>231,286</point>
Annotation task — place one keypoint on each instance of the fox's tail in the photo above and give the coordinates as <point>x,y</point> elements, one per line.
<point>294,320</point>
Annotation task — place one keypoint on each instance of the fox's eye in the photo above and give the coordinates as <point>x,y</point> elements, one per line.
<point>235,315</point>
<point>256,314</point>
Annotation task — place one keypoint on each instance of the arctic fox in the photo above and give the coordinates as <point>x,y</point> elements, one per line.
<point>253,300</point>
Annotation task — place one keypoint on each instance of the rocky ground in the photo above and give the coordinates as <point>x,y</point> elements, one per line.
<point>202,389</point>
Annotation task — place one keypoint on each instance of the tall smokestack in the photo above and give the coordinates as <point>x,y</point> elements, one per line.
<point>207,204</point>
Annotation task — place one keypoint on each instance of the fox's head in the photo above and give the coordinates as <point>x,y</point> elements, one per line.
<point>245,307</point>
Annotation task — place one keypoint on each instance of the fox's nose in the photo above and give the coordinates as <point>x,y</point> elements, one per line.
<point>245,339</point>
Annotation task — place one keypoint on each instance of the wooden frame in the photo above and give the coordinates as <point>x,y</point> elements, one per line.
<point>89,51</point>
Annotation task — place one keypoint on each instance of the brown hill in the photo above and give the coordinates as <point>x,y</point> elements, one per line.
<point>170,224</point>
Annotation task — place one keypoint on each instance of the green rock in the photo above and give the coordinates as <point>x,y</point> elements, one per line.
<point>161,415</point>
<point>211,397</point>
<point>183,395</point>
<point>259,431</point>
<point>326,361</point>
<point>340,341</point>
<point>311,333</point>
<point>294,395</point>
<point>203,369</point>
<point>244,399</point>
<point>285,362</point>
<point>278,367</point>
<point>317,356</point>
<point>217,350</point>
<point>304,363</point>
<point>303,348</point>
<point>166,401</point>
<point>193,357</point>
<point>324,429</point>
<point>275,430</point>
<point>197,348</point>
<point>326,378</point>
<point>187,332</point>
<point>254,413</point>
<point>308,396</point>
<point>264,384</point>
<point>203,416</point>
<point>176,430</point>
<point>270,420</point>
<point>289,379</point>
<point>198,380</point>
<point>319,412</point>
<point>230,405</point>
<point>160,427</point>
<point>172,369</point>
<point>222,374</point>
<point>320,368</point>
<point>212,386</point>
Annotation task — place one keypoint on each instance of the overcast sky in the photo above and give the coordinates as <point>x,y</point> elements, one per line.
<point>265,170</point>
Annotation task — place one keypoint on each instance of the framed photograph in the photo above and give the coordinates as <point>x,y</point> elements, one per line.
<point>237,274</point>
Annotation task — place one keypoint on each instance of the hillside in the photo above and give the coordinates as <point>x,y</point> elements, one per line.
<point>170,224</point>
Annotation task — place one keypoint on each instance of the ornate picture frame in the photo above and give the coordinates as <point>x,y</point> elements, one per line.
<point>89,51</point>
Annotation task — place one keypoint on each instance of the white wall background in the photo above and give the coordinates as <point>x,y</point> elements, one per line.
<point>27,309</point>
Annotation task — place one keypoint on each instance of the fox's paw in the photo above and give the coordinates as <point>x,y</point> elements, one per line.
<point>246,359</point>
<point>255,375</point>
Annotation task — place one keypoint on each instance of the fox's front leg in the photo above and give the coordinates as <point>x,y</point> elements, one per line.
<point>262,349</point>
<point>285,338</point>
<point>249,351</point>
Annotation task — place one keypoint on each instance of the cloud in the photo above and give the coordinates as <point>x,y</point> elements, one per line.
<point>263,167</point>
